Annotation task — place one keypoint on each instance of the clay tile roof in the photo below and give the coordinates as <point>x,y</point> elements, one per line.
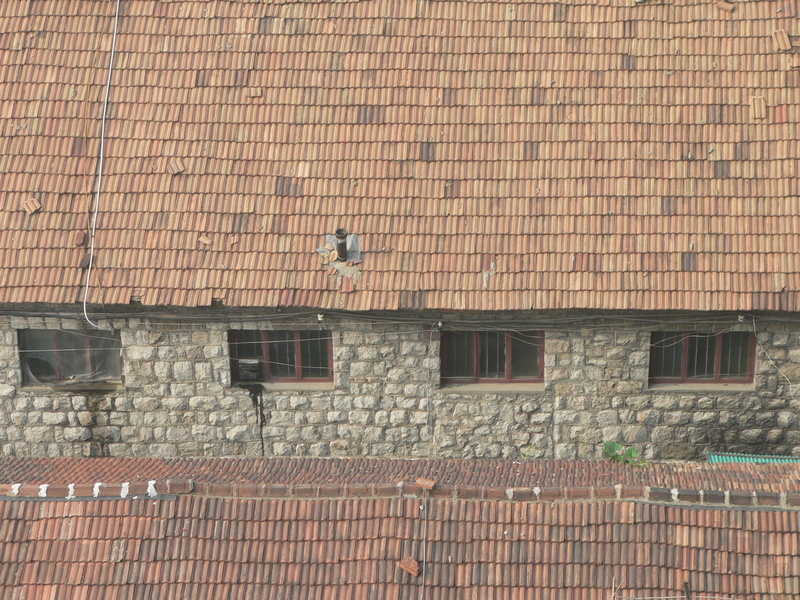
<point>321,529</point>
<point>594,154</point>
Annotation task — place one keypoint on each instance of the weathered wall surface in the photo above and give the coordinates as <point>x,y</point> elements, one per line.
<point>386,400</point>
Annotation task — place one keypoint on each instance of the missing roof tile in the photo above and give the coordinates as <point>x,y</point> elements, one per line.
<point>792,79</point>
<point>265,25</point>
<point>449,97</point>
<point>337,60</point>
<point>369,114</point>
<point>538,96</point>
<point>77,146</point>
<point>722,169</point>
<point>596,78</point>
<point>689,261</point>
<point>531,151</point>
<point>202,78</point>
<point>560,12</point>
<point>427,151</point>
<point>628,63</point>
<point>241,77</point>
<point>240,221</point>
<point>725,6</point>
<point>295,26</point>
<point>286,186</point>
<point>741,151</point>
<point>714,113</point>
<point>629,29</point>
<point>669,205</point>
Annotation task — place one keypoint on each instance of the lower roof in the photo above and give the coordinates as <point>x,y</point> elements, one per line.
<point>263,534</point>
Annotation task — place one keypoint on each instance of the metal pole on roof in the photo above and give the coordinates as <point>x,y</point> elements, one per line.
<point>687,591</point>
<point>101,159</point>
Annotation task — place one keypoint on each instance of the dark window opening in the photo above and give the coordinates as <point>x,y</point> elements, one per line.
<point>55,357</point>
<point>680,357</point>
<point>491,356</point>
<point>284,355</point>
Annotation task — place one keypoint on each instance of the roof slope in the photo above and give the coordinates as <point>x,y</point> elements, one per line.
<point>491,155</point>
<point>773,478</point>
<point>172,540</point>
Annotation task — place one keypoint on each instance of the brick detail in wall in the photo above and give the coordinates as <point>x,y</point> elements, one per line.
<point>386,401</point>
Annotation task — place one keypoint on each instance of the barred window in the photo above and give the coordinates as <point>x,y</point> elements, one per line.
<point>492,356</point>
<point>284,355</point>
<point>683,357</point>
<point>60,357</point>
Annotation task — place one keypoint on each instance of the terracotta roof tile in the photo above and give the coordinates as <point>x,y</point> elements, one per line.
<point>358,546</point>
<point>552,129</point>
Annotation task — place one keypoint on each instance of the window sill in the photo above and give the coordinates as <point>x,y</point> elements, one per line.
<point>702,387</point>
<point>84,388</point>
<point>292,386</point>
<point>491,388</point>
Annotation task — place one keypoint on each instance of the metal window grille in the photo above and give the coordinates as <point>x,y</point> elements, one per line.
<point>491,356</point>
<point>684,357</point>
<point>281,355</point>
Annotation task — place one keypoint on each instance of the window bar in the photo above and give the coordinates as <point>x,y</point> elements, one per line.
<point>232,348</point>
<point>751,359</point>
<point>476,355</point>
<point>718,357</point>
<point>266,355</point>
<point>509,355</point>
<point>684,356</point>
<point>298,356</point>
<point>329,350</point>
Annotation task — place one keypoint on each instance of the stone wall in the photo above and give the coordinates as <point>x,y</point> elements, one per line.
<point>386,399</point>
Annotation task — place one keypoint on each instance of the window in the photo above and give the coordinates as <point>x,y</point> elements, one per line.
<point>491,356</point>
<point>679,357</point>
<point>58,357</point>
<point>280,356</point>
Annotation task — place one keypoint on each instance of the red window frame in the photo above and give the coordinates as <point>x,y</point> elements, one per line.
<point>509,360</point>
<point>718,352</point>
<point>265,374</point>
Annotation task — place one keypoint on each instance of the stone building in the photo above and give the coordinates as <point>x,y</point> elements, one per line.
<point>387,395</point>
<point>398,228</point>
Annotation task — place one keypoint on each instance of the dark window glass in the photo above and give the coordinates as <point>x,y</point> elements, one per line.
<point>314,353</point>
<point>460,353</point>
<point>281,355</point>
<point>526,346</point>
<point>281,351</point>
<point>492,356</point>
<point>736,348</point>
<point>702,357</point>
<point>61,357</point>
<point>247,347</point>
<point>666,354</point>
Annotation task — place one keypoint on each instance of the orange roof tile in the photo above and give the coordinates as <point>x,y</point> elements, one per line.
<point>608,155</point>
<point>316,528</point>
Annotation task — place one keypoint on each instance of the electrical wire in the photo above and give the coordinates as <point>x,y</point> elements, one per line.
<point>101,160</point>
